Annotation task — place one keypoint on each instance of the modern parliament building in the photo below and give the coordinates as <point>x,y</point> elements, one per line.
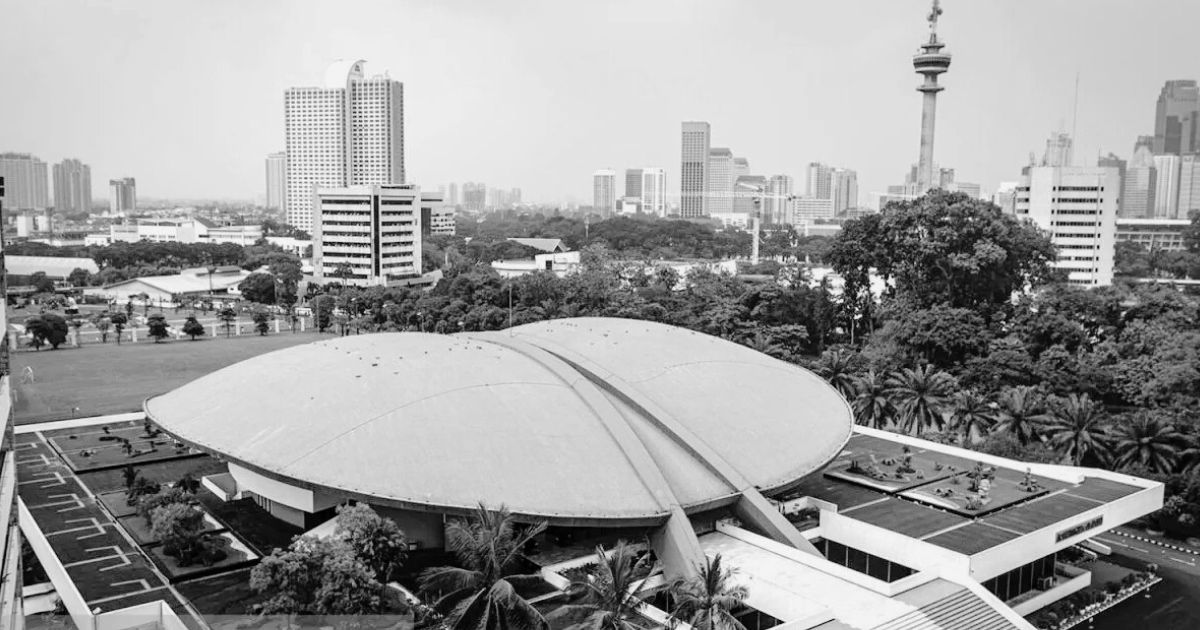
<point>702,446</point>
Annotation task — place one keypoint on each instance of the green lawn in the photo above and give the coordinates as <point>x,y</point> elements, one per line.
<point>104,379</point>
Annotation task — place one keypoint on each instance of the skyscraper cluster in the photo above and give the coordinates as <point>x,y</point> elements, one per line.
<point>1162,178</point>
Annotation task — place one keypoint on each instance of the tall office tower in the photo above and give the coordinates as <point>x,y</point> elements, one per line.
<point>12,608</point>
<point>277,181</point>
<point>1166,186</point>
<point>929,63</point>
<point>452,194</point>
<point>1059,150</point>
<point>122,196</point>
<point>348,132</point>
<point>633,182</point>
<point>819,181</point>
<point>474,196</point>
<point>514,196</point>
<point>375,230</point>
<point>1177,118</point>
<point>778,204</point>
<point>741,167</point>
<point>27,187</point>
<point>1141,179</point>
<point>720,181</point>
<point>1112,161</point>
<point>1078,206</point>
<point>843,188</point>
<point>72,186</point>
<point>654,191</point>
<point>693,171</point>
<point>1189,185</point>
<point>604,192</point>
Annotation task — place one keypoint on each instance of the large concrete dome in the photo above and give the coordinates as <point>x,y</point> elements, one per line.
<point>579,421</point>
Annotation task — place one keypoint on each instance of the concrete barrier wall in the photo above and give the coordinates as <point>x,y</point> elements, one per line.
<point>76,606</point>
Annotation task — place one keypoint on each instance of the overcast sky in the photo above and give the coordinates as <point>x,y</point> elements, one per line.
<point>188,96</point>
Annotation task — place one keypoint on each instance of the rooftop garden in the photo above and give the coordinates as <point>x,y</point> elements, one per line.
<point>977,491</point>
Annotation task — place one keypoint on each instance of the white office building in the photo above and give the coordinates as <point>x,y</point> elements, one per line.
<point>604,192</point>
<point>654,191</point>
<point>348,132</point>
<point>437,215</point>
<point>1078,206</point>
<point>374,230</point>
<point>277,181</point>
<point>1189,185</point>
<point>777,205</point>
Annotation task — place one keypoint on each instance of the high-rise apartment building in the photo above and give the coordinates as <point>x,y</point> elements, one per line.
<point>373,232</point>
<point>474,196</point>
<point>1078,206</point>
<point>277,181</point>
<point>818,183</point>
<point>1177,119</point>
<point>1141,179</point>
<point>1166,186</point>
<point>633,182</point>
<point>843,189</point>
<point>122,196</point>
<point>604,192</point>
<point>26,187</point>
<point>777,208</point>
<point>1189,185</point>
<point>654,191</point>
<point>720,181</point>
<point>693,171</point>
<point>452,194</point>
<point>72,186</point>
<point>348,132</point>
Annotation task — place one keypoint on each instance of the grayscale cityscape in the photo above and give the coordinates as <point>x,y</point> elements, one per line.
<point>633,315</point>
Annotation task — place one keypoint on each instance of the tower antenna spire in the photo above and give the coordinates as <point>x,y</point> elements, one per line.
<point>934,12</point>
<point>930,62</point>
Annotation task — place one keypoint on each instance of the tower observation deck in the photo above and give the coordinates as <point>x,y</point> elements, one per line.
<point>929,63</point>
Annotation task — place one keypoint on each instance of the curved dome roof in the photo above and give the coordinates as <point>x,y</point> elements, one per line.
<point>588,420</point>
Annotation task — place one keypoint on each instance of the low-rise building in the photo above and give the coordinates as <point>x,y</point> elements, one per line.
<point>1161,234</point>
<point>437,216</point>
<point>200,282</point>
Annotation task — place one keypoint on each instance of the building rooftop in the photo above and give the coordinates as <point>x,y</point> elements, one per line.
<point>911,507</point>
<point>669,416</point>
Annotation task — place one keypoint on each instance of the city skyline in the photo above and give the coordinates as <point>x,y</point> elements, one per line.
<point>548,146</point>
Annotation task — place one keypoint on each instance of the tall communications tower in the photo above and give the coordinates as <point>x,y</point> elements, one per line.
<point>929,63</point>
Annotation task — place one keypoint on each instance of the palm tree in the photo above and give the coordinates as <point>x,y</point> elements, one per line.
<point>835,367</point>
<point>1149,441</point>
<point>1075,427</point>
<point>872,403</point>
<point>971,416</point>
<point>611,597</point>
<point>707,601</point>
<point>481,594</point>
<point>1020,413</point>
<point>921,396</point>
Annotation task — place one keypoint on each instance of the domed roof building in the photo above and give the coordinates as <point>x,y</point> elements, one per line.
<point>588,422</point>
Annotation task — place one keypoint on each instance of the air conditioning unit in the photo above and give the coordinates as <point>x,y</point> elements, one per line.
<point>1046,583</point>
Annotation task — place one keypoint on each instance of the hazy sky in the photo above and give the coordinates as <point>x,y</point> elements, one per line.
<point>188,96</point>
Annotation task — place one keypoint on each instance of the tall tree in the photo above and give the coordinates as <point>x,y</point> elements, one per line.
<point>317,577</point>
<point>610,597</point>
<point>1075,427</point>
<point>192,327</point>
<point>922,396</point>
<point>481,593</point>
<point>945,248</point>
<point>971,416</point>
<point>376,540</point>
<point>836,366</point>
<point>872,402</point>
<point>157,327</point>
<point>1147,440</point>
<point>1020,413</point>
<point>707,601</point>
